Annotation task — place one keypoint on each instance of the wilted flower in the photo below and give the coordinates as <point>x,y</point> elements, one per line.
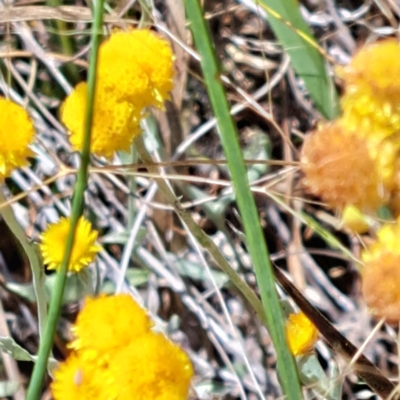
<point>84,249</point>
<point>372,89</point>
<point>108,322</point>
<point>16,133</point>
<point>137,66</point>
<point>381,273</point>
<point>115,122</point>
<point>301,334</point>
<point>381,285</point>
<point>341,168</point>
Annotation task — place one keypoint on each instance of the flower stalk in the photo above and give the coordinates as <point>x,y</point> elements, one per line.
<point>46,343</point>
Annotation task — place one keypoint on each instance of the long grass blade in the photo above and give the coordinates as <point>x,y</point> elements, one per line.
<point>256,244</point>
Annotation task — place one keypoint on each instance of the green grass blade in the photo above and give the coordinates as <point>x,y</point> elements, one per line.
<point>296,38</point>
<point>257,247</point>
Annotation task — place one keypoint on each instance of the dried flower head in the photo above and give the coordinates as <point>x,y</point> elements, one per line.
<point>77,379</point>
<point>137,66</point>
<point>381,273</point>
<point>16,133</point>
<point>84,249</point>
<point>372,88</point>
<point>115,122</point>
<point>151,367</point>
<point>107,323</point>
<point>381,284</point>
<point>301,334</point>
<point>340,168</point>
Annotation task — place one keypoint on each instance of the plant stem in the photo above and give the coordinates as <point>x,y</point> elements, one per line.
<point>77,209</point>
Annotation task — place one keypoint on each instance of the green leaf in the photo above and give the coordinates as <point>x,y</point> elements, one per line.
<point>136,277</point>
<point>122,237</point>
<point>77,286</point>
<point>8,388</point>
<point>9,346</point>
<point>313,375</point>
<point>197,272</point>
<point>296,38</point>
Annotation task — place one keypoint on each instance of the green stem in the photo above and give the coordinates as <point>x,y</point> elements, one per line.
<point>38,277</point>
<point>256,245</point>
<point>77,209</point>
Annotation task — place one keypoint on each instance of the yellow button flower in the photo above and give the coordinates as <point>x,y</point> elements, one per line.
<point>16,133</point>
<point>150,368</point>
<point>137,66</point>
<point>301,334</point>
<point>115,123</point>
<point>116,356</point>
<point>84,249</point>
<point>340,167</point>
<point>107,323</point>
<point>372,89</point>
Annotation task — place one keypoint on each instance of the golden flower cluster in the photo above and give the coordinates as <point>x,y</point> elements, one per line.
<point>116,356</point>
<point>135,71</point>
<point>16,134</point>
<point>354,160</point>
<point>372,89</point>
<point>115,122</point>
<point>137,66</point>
<point>301,334</point>
<point>84,249</point>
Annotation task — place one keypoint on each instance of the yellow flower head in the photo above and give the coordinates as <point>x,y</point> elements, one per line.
<point>388,240</point>
<point>354,220</point>
<point>151,367</point>
<point>84,249</point>
<point>372,88</point>
<point>77,379</point>
<point>115,123</point>
<point>107,323</point>
<point>16,133</point>
<point>339,166</point>
<point>137,66</point>
<point>301,334</point>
